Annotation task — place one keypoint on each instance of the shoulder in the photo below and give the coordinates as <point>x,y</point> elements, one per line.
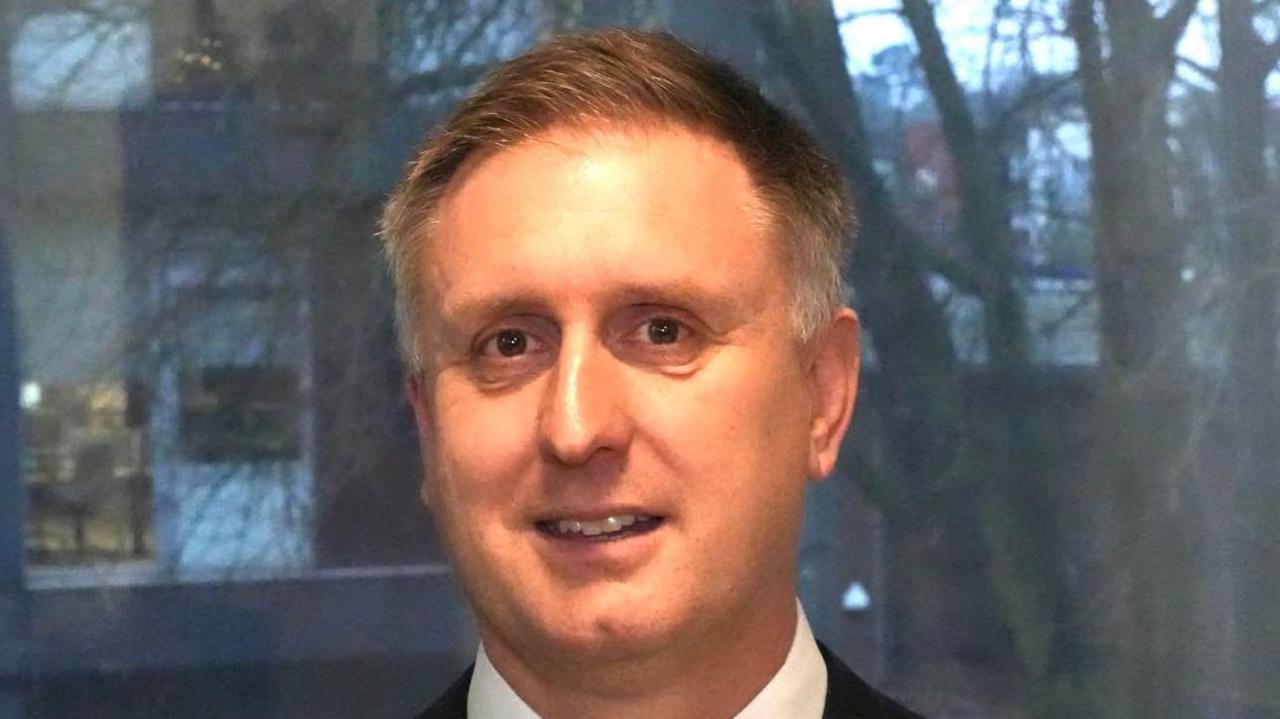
<point>849,697</point>
<point>453,703</point>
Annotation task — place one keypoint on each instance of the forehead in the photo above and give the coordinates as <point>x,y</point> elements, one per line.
<point>599,208</point>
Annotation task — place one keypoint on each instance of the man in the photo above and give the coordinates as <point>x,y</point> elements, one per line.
<point>618,292</point>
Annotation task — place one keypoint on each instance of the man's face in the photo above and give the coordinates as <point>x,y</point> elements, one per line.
<point>610,347</point>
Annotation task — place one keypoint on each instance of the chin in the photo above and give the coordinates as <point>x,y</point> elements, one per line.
<point>612,628</point>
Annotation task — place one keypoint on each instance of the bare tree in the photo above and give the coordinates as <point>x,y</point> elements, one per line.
<point>919,398</point>
<point>954,466</point>
<point>1126,61</point>
<point>1026,560</point>
<point>1253,281</point>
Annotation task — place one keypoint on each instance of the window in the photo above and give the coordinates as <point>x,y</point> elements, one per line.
<point>240,414</point>
<point>98,57</point>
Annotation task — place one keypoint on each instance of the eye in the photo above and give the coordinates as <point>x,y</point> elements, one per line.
<point>510,343</point>
<point>658,340</point>
<point>663,331</point>
<point>510,354</point>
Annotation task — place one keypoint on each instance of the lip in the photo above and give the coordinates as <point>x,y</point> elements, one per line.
<point>600,556</point>
<point>595,512</point>
<point>634,526</point>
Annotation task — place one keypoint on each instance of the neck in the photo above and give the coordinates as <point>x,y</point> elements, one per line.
<point>714,674</point>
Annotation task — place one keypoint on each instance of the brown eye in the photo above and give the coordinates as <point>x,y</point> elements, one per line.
<point>511,354</point>
<point>663,331</point>
<point>511,343</point>
<point>658,338</point>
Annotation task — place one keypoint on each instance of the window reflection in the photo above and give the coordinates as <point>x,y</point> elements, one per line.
<point>215,443</point>
<point>97,57</point>
<point>240,414</point>
<point>89,491</point>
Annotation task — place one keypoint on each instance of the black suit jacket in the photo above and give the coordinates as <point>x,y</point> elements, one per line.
<point>848,697</point>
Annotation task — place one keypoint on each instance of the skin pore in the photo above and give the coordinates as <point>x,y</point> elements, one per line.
<point>611,337</point>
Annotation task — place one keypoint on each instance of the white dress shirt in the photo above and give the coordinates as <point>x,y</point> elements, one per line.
<point>797,691</point>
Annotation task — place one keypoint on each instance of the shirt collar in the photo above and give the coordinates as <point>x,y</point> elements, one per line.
<point>799,689</point>
<point>491,697</point>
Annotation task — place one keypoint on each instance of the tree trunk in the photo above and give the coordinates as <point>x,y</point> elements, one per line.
<point>1155,635</point>
<point>984,214</point>
<point>1008,449</point>
<point>1253,409</point>
<point>968,487</point>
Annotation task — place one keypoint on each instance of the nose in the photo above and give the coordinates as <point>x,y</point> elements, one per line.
<point>583,412</point>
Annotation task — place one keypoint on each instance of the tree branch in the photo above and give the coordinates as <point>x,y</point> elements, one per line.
<point>1271,55</point>
<point>1170,27</point>
<point>981,217</point>
<point>984,212</point>
<point>1128,13</point>
<point>1244,52</point>
<point>1083,26</point>
<point>859,14</point>
<point>949,97</point>
<point>837,113</point>
<point>961,275</point>
<point>1037,89</point>
<point>1207,73</point>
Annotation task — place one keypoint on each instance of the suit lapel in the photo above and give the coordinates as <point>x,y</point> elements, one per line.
<point>848,697</point>
<point>453,703</point>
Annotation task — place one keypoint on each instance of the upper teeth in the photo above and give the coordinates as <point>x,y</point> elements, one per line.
<point>593,527</point>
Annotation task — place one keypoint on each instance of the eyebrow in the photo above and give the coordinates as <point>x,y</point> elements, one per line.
<point>678,292</point>
<point>470,310</point>
<point>722,307</point>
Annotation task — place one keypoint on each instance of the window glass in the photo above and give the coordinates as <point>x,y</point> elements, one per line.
<point>1058,497</point>
<point>95,57</point>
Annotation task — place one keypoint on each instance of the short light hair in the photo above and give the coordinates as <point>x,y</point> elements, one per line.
<point>629,78</point>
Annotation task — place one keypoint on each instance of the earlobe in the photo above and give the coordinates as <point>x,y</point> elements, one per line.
<point>833,379</point>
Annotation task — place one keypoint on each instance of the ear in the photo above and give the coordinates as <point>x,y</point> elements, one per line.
<point>417,395</point>
<point>833,381</point>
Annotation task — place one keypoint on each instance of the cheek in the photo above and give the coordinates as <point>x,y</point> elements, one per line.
<point>739,427</point>
<point>482,443</point>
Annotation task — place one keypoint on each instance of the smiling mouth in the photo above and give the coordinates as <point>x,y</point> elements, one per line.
<point>608,529</point>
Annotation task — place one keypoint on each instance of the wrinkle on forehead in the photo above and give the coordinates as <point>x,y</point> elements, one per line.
<point>588,136</point>
<point>596,160</point>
